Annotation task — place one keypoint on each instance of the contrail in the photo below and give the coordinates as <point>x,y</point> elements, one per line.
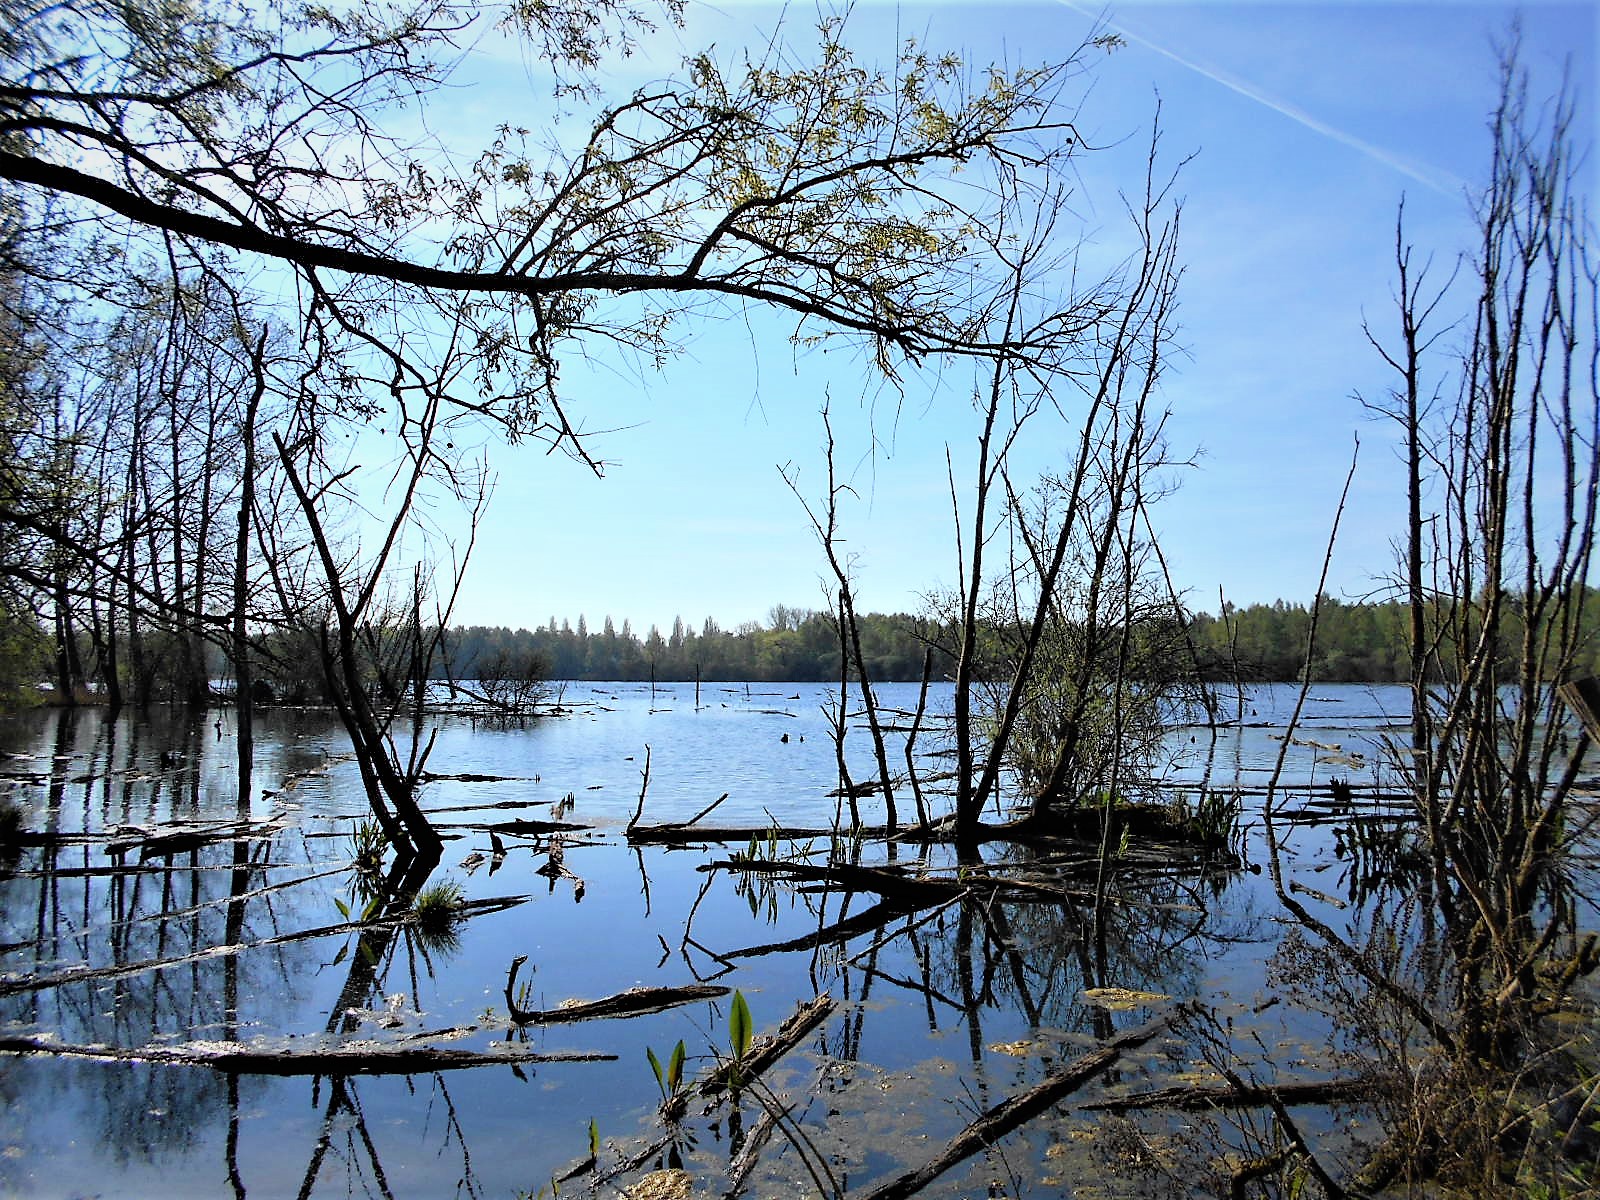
<point>1440,181</point>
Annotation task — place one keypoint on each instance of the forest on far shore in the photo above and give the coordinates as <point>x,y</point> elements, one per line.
<point>1356,643</point>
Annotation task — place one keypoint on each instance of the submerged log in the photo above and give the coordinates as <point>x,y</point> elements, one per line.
<point>1205,1095</point>
<point>471,777</point>
<point>1011,1114</point>
<point>890,882</point>
<point>869,920</point>
<point>631,1003</point>
<point>527,827</point>
<point>906,891</point>
<point>360,1058</point>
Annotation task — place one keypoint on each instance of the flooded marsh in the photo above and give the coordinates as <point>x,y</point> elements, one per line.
<point>197,998</point>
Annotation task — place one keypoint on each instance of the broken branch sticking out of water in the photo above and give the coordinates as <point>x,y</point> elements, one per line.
<point>631,1003</point>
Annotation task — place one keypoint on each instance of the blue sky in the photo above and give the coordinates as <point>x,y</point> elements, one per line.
<point>1307,122</point>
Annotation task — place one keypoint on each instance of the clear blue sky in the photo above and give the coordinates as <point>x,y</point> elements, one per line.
<point>1308,123</point>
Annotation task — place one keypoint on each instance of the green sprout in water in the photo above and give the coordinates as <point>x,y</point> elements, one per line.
<point>669,1079</point>
<point>740,1031</point>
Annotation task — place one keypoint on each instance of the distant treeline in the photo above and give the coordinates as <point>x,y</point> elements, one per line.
<point>796,645</point>
<point>1356,643</point>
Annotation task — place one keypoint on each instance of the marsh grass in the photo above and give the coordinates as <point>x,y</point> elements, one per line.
<point>438,908</point>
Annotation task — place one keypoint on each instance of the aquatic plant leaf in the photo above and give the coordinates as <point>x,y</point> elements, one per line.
<point>675,1067</point>
<point>740,1028</point>
<point>655,1065</point>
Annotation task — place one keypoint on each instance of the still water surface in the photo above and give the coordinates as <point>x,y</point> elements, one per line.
<point>940,1016</point>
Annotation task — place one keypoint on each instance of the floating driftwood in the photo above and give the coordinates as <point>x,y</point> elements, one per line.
<point>1011,1114</point>
<point>631,1003</point>
<point>555,868</point>
<point>162,840</point>
<point>357,1058</point>
<point>1205,1095</point>
<point>165,843</point>
<point>905,891</point>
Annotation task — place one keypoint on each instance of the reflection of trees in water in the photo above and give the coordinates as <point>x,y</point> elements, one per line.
<point>1037,959</point>
<point>81,908</point>
<point>87,902</point>
<point>344,1136</point>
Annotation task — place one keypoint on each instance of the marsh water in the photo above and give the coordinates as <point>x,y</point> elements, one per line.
<point>112,940</point>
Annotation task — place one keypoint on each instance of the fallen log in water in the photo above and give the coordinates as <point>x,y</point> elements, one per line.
<point>525,827</point>
<point>890,882</point>
<point>685,834</point>
<point>1011,1114</point>
<point>362,1058</point>
<point>906,891</point>
<point>631,1003</point>
<point>1206,1095</point>
<point>767,1049</point>
<point>17,984</point>
<point>471,777</point>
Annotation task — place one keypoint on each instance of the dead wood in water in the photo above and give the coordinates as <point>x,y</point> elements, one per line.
<point>176,837</point>
<point>869,920</point>
<point>525,827</point>
<point>555,868</point>
<point>631,1003</point>
<point>470,777</point>
<point>13,985</point>
<point>1200,1096</point>
<point>1013,1113</point>
<point>915,891</point>
<point>364,1058</point>
<point>767,1049</point>
<point>686,834</point>
<point>905,891</point>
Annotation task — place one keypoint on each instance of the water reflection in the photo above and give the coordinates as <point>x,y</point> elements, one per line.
<point>227,929</point>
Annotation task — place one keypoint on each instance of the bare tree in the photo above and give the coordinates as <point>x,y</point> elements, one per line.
<point>1503,478</point>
